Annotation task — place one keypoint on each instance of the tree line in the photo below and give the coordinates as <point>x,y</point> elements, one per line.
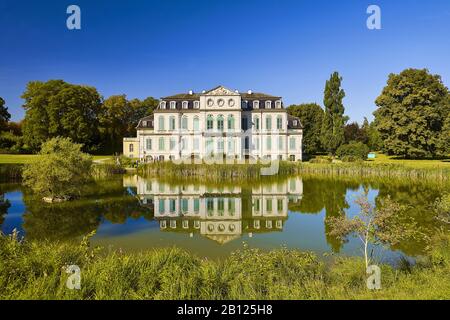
<point>57,108</point>
<point>412,119</point>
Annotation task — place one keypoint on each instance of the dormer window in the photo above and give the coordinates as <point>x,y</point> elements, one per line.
<point>196,104</point>
<point>268,104</point>
<point>256,104</point>
<point>144,123</point>
<point>185,104</point>
<point>278,104</point>
<point>162,105</point>
<point>173,105</point>
<point>244,104</point>
<point>295,123</point>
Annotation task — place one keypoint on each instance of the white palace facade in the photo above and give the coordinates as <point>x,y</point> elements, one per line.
<point>219,122</point>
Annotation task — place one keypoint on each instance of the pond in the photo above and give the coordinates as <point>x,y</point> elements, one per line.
<point>132,213</point>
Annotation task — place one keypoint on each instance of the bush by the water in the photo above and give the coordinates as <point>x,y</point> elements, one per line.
<point>37,270</point>
<point>354,151</point>
<point>61,171</point>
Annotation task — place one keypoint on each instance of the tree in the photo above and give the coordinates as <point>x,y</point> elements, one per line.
<point>412,110</point>
<point>374,141</point>
<point>4,116</point>
<point>353,151</point>
<point>139,110</point>
<point>62,170</point>
<point>56,108</point>
<point>374,226</point>
<point>310,115</point>
<point>332,132</point>
<point>353,132</point>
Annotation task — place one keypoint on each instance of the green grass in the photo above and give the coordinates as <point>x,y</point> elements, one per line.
<point>29,158</point>
<point>416,164</point>
<point>36,270</point>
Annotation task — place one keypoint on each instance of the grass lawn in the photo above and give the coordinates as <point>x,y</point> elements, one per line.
<point>28,158</point>
<point>417,164</point>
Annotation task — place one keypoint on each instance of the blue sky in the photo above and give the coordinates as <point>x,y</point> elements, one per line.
<point>157,48</point>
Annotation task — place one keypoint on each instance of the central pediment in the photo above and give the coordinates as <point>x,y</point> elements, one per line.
<point>221,91</point>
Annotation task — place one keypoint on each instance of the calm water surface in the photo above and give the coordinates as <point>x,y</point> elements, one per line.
<point>133,213</point>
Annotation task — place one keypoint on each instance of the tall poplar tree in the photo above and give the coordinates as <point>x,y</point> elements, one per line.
<point>332,133</point>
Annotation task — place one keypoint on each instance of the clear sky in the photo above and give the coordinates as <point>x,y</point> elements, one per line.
<point>157,48</point>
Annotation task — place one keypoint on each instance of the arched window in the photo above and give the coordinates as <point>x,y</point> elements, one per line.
<point>210,122</point>
<point>196,124</point>
<point>185,104</point>
<point>268,123</point>
<point>184,123</point>
<point>256,104</point>
<point>162,105</point>
<point>279,122</point>
<point>172,123</point>
<point>161,122</point>
<point>173,105</point>
<point>268,104</point>
<point>230,122</point>
<point>220,123</point>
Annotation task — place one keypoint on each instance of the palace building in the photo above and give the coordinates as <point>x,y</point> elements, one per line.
<point>218,122</point>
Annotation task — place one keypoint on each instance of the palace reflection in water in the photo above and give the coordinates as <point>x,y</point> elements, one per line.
<point>221,214</point>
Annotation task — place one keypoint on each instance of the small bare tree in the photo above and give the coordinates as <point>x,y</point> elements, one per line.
<point>379,225</point>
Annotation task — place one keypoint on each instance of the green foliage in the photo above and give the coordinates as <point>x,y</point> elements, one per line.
<point>4,115</point>
<point>353,132</point>
<point>412,111</point>
<point>442,208</point>
<point>56,108</point>
<point>61,170</point>
<point>311,116</point>
<point>332,131</point>
<point>354,151</point>
<point>36,270</point>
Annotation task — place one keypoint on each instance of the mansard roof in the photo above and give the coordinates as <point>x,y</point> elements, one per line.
<point>292,125</point>
<point>146,123</point>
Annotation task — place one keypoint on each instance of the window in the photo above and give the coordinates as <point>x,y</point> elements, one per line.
<point>172,123</point>
<point>230,122</point>
<point>149,144</point>
<point>268,123</point>
<point>161,123</point>
<point>220,123</point>
<point>256,104</point>
<point>210,122</point>
<point>173,105</point>
<point>196,104</point>
<point>292,143</point>
<point>280,205</point>
<point>257,205</point>
<point>244,123</point>
<point>279,122</point>
<point>172,144</point>
<point>257,144</point>
<point>269,205</point>
<point>183,144</point>
<point>221,205</point>
<point>220,146</point>
<point>196,205</point>
<point>184,205</point>
<point>196,144</point>
<point>210,205</point>
<point>295,123</point>
<point>185,104</point>
<point>144,123</point>
<point>131,147</point>
<point>162,105</point>
<point>244,104</point>
<point>269,143</point>
<point>280,143</point>
<point>209,146</point>
<point>161,143</point>
<point>161,206</point>
<point>268,104</point>
<point>184,123</point>
<point>278,104</point>
<point>257,123</point>
<point>247,143</point>
<point>231,147</point>
<point>231,206</point>
<point>172,203</point>
<point>196,124</point>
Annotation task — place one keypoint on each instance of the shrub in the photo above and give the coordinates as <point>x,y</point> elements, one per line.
<point>353,151</point>
<point>61,170</point>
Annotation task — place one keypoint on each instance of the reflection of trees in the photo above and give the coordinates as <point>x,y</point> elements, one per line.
<point>4,206</point>
<point>419,198</point>
<point>68,220</point>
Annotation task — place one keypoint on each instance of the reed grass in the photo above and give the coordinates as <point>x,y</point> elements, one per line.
<point>36,270</point>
